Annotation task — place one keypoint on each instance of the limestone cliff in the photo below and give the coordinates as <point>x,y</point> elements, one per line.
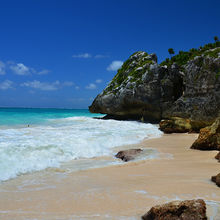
<point>200,101</point>
<point>139,89</point>
<point>185,86</point>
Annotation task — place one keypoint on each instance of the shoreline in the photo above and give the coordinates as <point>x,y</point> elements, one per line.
<point>124,191</point>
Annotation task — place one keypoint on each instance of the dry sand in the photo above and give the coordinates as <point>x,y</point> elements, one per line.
<point>116,192</point>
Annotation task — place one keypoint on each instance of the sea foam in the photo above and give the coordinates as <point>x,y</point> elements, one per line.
<point>37,147</point>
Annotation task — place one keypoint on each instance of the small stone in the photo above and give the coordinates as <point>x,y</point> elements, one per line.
<point>127,155</point>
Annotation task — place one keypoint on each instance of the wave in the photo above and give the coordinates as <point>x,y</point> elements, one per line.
<point>29,149</point>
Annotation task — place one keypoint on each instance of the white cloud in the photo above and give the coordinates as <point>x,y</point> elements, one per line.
<point>42,85</point>
<point>43,72</point>
<point>77,87</point>
<point>115,65</point>
<point>91,86</point>
<point>7,84</point>
<point>82,55</point>
<point>68,83</point>
<point>20,69</point>
<point>47,86</point>
<point>98,81</point>
<point>100,56</point>
<point>88,55</point>
<point>2,68</point>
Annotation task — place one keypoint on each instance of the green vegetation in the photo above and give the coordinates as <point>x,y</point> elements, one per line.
<point>128,71</point>
<point>184,56</point>
<point>137,73</point>
<point>213,53</point>
<point>134,68</point>
<point>171,51</point>
<point>216,39</point>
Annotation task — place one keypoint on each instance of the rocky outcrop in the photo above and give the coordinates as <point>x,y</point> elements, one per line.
<point>187,87</point>
<point>178,210</point>
<point>175,125</point>
<point>127,155</point>
<point>216,179</point>
<point>201,99</point>
<point>138,88</point>
<point>209,137</point>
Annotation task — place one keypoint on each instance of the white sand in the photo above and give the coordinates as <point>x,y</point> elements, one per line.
<point>116,192</point>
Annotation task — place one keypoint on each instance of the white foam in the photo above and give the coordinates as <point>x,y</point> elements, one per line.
<point>214,206</point>
<point>35,148</point>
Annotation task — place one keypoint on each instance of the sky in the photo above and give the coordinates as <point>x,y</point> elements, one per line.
<point>62,53</point>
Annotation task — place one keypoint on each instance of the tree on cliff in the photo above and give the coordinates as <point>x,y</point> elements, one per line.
<point>216,39</point>
<point>171,51</point>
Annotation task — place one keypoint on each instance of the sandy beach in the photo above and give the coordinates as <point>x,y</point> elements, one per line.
<point>124,191</point>
<point>100,105</point>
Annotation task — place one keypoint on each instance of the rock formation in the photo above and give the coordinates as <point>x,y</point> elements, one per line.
<point>201,99</point>
<point>138,88</point>
<point>175,125</point>
<point>216,179</point>
<point>127,155</point>
<point>178,210</point>
<point>186,86</point>
<point>217,157</point>
<point>209,137</point>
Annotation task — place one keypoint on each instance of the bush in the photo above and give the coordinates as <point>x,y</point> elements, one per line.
<point>184,56</point>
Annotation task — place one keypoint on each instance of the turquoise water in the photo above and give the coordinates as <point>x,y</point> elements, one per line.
<point>33,116</point>
<point>56,136</point>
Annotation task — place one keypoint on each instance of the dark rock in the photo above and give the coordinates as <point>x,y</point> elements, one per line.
<point>218,157</point>
<point>216,179</point>
<point>178,210</point>
<point>136,91</point>
<point>175,125</point>
<point>200,101</point>
<point>127,155</point>
<point>209,137</point>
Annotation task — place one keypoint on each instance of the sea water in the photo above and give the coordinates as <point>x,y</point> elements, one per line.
<point>35,139</point>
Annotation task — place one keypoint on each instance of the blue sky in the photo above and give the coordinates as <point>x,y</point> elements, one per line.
<point>62,53</point>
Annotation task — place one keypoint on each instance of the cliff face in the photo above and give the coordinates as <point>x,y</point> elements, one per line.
<point>187,86</point>
<point>138,89</point>
<point>200,101</point>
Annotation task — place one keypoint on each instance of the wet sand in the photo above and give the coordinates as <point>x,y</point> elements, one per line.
<point>124,191</point>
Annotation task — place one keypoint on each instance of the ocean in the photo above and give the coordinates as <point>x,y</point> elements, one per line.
<point>34,139</point>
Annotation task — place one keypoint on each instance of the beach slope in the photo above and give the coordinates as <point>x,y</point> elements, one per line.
<point>125,191</point>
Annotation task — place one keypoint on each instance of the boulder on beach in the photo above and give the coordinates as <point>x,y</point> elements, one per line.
<point>216,179</point>
<point>175,125</point>
<point>127,155</point>
<point>209,137</point>
<point>178,210</point>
